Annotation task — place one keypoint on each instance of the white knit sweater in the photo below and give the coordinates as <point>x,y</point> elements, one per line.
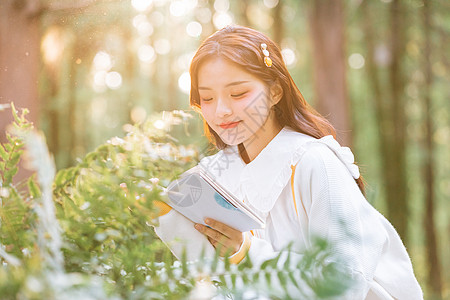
<point>328,204</point>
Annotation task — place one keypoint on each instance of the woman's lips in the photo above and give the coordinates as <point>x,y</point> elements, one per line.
<point>229,125</point>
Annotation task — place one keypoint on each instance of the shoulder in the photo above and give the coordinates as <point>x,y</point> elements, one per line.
<point>318,162</point>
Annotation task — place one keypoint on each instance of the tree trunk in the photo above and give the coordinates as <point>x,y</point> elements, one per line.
<point>19,63</point>
<point>390,115</point>
<point>19,58</point>
<point>329,72</point>
<point>396,173</point>
<point>278,25</point>
<point>434,270</point>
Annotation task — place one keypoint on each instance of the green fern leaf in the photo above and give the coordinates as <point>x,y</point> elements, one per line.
<point>33,189</point>
<point>9,174</point>
<point>3,153</point>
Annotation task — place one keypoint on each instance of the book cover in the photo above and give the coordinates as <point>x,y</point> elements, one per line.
<point>197,196</point>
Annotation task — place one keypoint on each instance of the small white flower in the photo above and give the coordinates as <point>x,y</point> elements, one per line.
<point>116,141</point>
<point>85,205</point>
<point>154,180</point>
<point>4,192</point>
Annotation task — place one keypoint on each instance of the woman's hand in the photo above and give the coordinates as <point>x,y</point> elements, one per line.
<point>223,237</point>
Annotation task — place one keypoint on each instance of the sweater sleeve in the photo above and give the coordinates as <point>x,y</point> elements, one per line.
<point>179,234</point>
<point>336,211</point>
<point>362,239</point>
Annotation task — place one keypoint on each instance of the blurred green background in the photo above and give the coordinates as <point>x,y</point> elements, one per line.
<point>87,68</point>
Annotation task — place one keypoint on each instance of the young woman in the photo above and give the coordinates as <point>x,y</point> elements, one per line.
<point>281,158</point>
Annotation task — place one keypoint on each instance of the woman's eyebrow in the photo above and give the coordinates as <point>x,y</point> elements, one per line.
<point>228,85</point>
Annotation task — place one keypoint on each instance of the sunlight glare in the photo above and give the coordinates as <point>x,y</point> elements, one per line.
<point>139,19</point>
<point>221,20</point>
<point>145,29</point>
<point>146,53</point>
<point>113,80</point>
<point>288,56</point>
<point>157,18</point>
<point>138,114</point>
<point>184,83</point>
<point>177,8</point>
<point>203,14</point>
<point>52,46</point>
<point>159,124</point>
<point>99,78</point>
<point>141,5</point>
<point>102,61</point>
<point>271,3</point>
<point>194,29</point>
<point>162,46</point>
<point>221,6</point>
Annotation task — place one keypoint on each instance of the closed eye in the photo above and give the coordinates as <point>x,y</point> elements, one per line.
<point>238,95</point>
<point>207,99</point>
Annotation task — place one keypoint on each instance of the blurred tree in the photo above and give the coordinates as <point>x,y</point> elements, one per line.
<point>278,26</point>
<point>19,62</point>
<point>434,267</point>
<point>242,13</point>
<point>326,21</point>
<point>396,173</point>
<point>389,110</point>
<point>19,58</point>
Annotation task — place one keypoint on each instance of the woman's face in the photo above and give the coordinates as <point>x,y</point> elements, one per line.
<point>234,103</point>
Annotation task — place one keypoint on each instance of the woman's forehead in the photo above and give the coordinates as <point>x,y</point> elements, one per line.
<point>221,72</point>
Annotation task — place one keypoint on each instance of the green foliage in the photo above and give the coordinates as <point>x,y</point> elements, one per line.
<point>93,231</point>
<point>15,214</point>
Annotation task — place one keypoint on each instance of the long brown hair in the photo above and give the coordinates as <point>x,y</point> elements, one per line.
<point>242,46</point>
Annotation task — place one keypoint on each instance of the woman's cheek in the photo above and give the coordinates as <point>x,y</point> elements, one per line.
<point>208,113</point>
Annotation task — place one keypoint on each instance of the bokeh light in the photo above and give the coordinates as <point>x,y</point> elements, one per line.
<point>356,61</point>
<point>52,45</point>
<point>184,83</point>
<point>159,124</point>
<point>288,56</point>
<point>138,114</point>
<point>194,29</point>
<point>222,5</point>
<point>162,46</point>
<point>177,8</point>
<point>221,20</point>
<point>141,5</point>
<point>145,29</point>
<point>271,3</point>
<point>157,18</point>
<point>203,15</point>
<point>113,80</point>
<point>102,61</point>
<point>146,53</point>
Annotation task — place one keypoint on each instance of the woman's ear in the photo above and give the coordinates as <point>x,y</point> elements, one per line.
<point>276,92</point>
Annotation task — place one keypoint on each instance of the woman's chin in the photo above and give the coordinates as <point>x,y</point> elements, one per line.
<point>231,141</point>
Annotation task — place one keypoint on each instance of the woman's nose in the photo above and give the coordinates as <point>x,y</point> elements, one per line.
<point>223,108</point>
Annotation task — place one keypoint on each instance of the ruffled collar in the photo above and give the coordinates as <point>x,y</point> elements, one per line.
<point>261,182</point>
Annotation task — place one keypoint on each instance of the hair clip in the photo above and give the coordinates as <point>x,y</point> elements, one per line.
<point>267,60</point>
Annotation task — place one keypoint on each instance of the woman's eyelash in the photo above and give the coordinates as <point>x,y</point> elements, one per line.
<point>239,95</point>
<point>232,95</point>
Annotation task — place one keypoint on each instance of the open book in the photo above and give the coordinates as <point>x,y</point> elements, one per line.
<point>197,196</point>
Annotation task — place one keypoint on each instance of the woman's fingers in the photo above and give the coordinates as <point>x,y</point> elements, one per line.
<point>228,240</point>
<point>211,233</point>
<point>223,249</point>
<point>224,229</point>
